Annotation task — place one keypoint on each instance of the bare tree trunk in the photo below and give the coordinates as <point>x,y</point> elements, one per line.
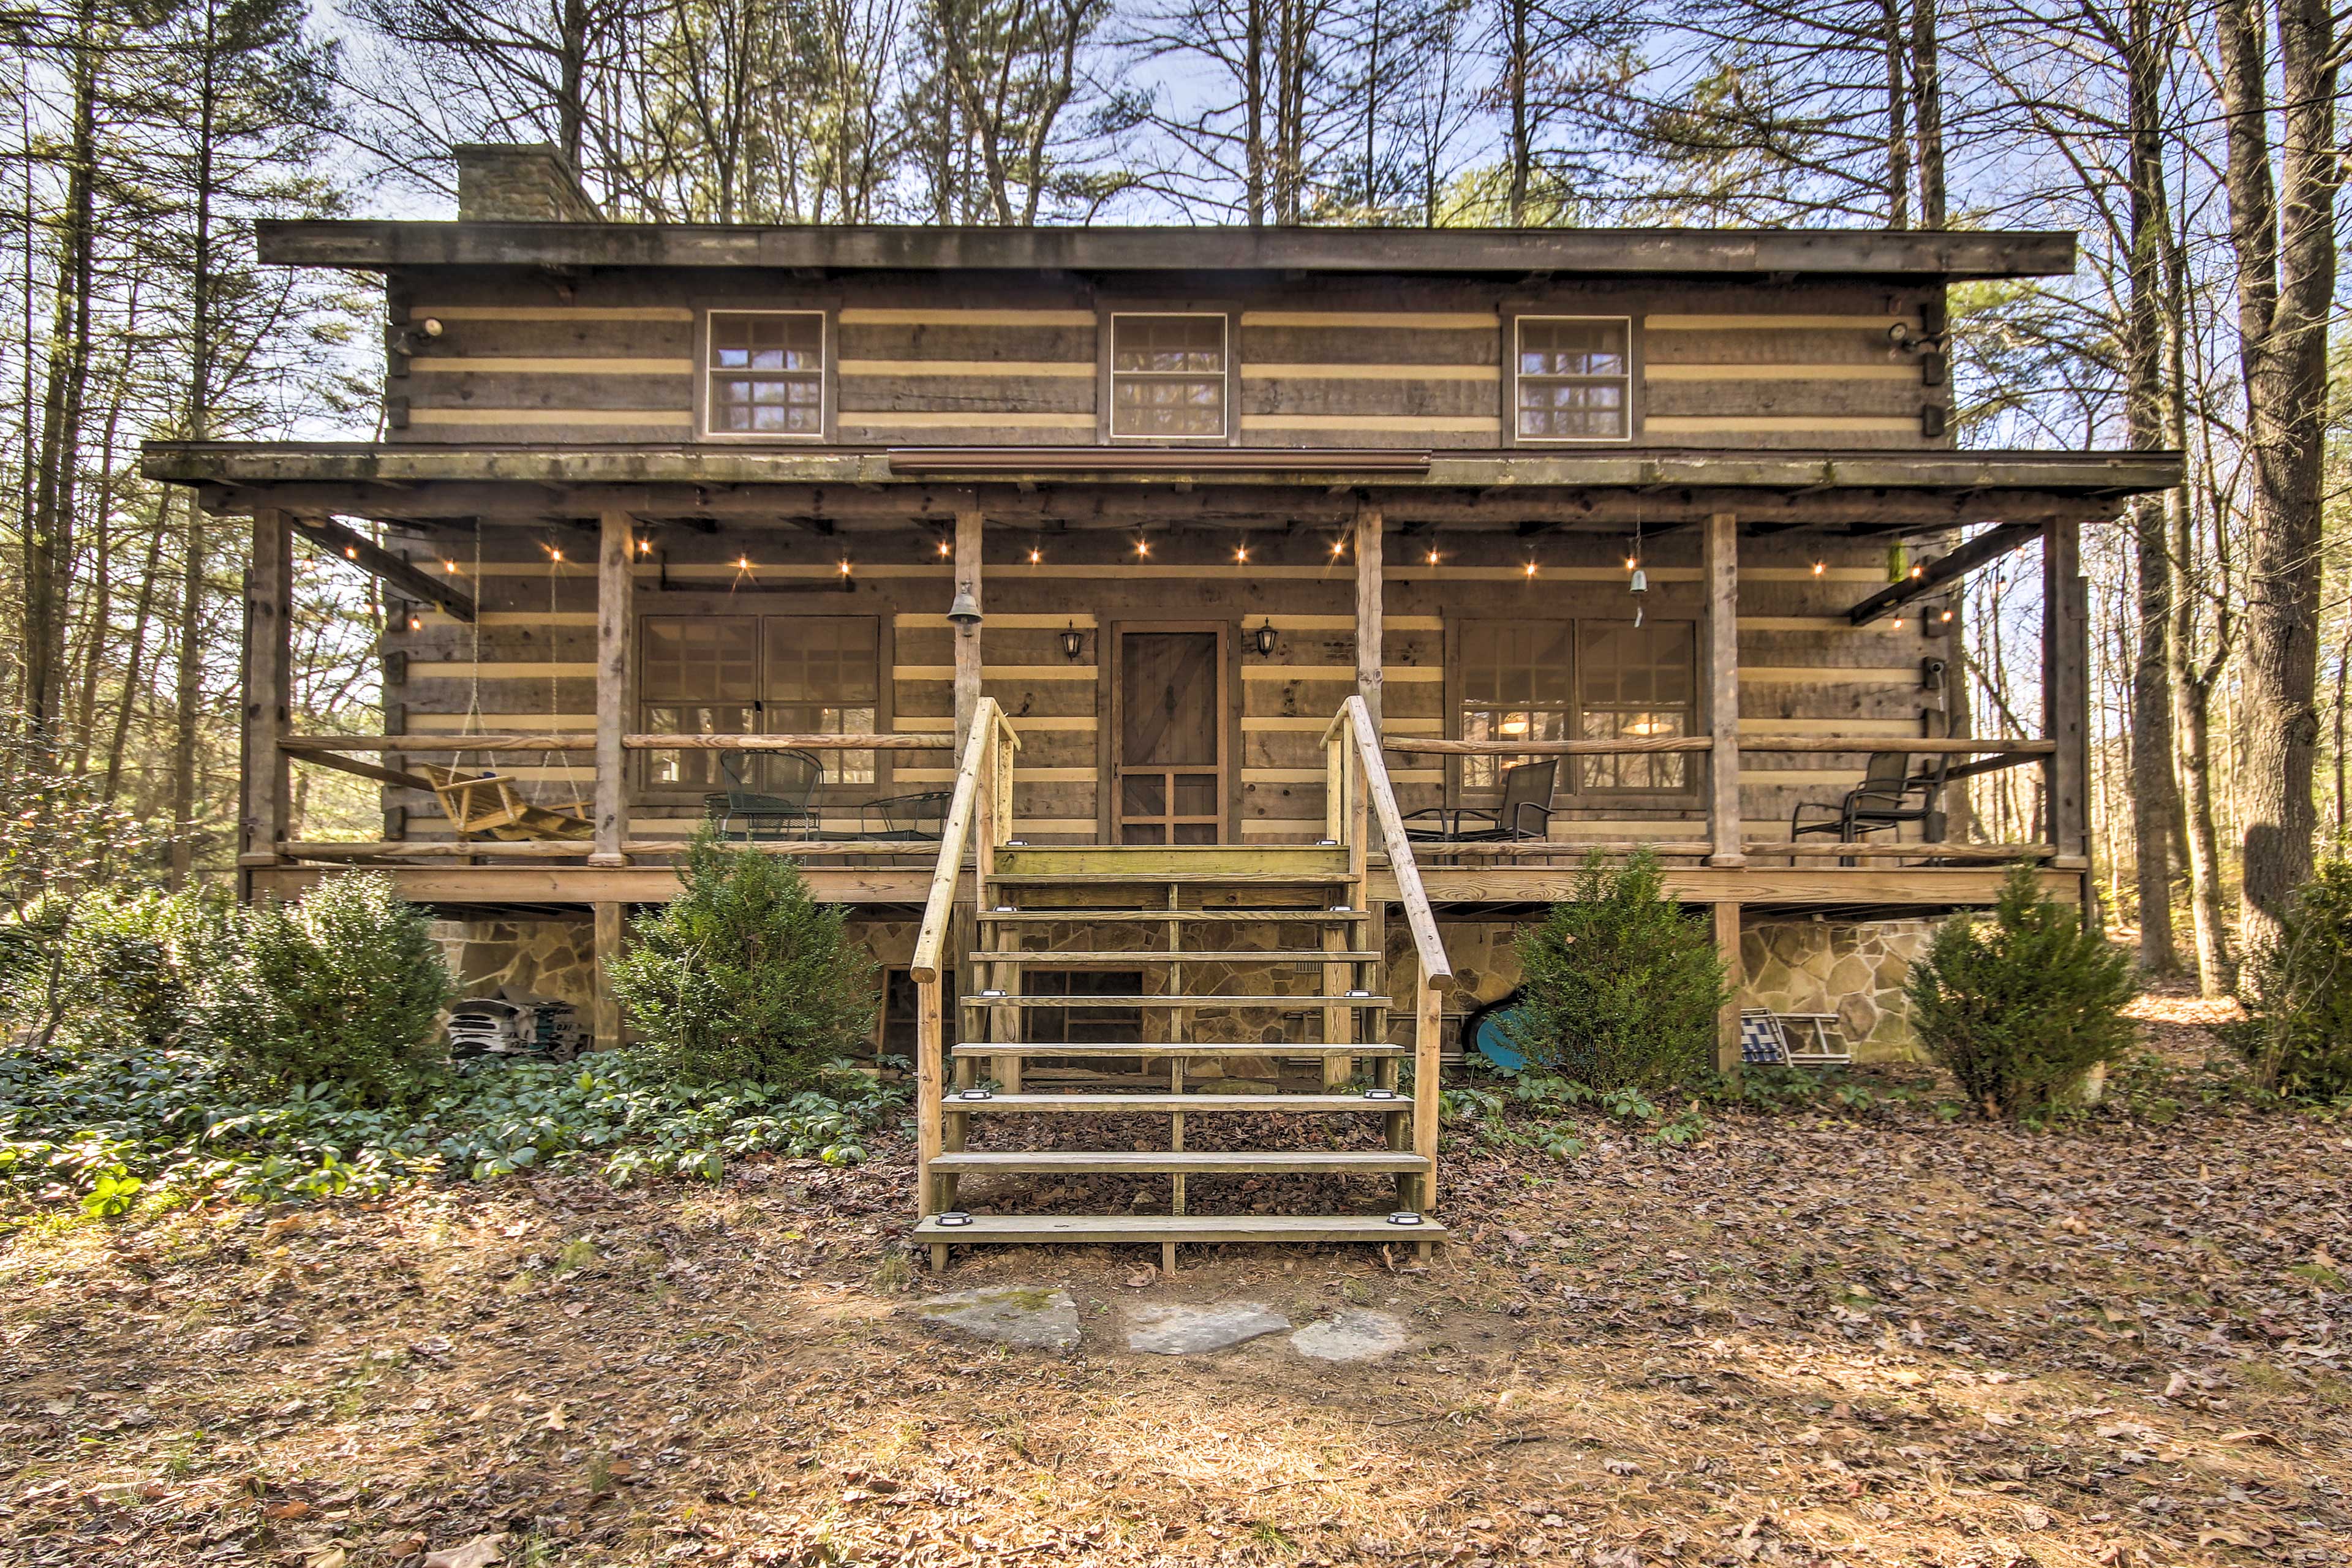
<point>134,661</point>
<point>2155,797</point>
<point>1254,94</point>
<point>1928,110</point>
<point>1898,120</point>
<point>2284,238</point>
<point>1517,69</point>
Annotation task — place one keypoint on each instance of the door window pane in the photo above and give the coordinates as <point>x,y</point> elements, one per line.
<point>1515,687</point>
<point>749,675</point>
<point>697,676</point>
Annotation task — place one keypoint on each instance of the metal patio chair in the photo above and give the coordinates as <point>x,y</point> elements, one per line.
<point>742,813</point>
<point>1889,796</point>
<point>919,818</point>
<point>1525,811</point>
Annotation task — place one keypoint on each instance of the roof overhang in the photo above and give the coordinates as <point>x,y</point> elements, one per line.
<point>372,245</point>
<point>1082,487</point>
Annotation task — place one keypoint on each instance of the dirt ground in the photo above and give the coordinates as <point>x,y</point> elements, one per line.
<point>1856,1335</point>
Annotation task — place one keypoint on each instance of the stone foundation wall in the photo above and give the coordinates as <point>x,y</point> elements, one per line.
<point>522,961</point>
<point>1856,969</point>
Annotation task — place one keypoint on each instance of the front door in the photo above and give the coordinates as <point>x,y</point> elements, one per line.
<point>1167,738</point>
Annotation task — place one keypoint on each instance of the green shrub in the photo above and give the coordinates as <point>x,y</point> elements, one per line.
<point>745,976</point>
<point>2298,1035</point>
<point>1621,986</point>
<point>346,987</point>
<point>136,966</point>
<point>2018,1007</point>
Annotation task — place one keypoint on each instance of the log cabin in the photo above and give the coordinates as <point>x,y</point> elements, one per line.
<point>1131,624</point>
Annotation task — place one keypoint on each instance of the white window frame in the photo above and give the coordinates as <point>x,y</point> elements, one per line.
<point>706,403</point>
<point>1632,376</point>
<point>1224,374</point>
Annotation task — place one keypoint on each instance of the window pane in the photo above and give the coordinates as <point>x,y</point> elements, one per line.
<point>1168,376</point>
<point>767,373</point>
<point>1575,380</point>
<point>1638,683</point>
<point>1515,687</point>
<point>822,674</point>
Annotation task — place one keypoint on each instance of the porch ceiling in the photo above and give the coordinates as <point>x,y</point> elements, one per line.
<point>1074,488</point>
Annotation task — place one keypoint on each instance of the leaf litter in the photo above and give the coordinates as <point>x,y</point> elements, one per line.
<point>1805,1338</point>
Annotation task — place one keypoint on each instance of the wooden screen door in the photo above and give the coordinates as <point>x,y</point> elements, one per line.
<point>1169,764</point>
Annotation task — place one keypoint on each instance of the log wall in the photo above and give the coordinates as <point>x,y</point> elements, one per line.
<point>611,356</point>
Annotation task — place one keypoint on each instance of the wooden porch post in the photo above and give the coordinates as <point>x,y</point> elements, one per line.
<point>2065,692</point>
<point>967,638</point>
<point>607,1019</point>
<point>1369,635</point>
<point>1725,823</point>
<point>1727,1018</point>
<point>616,628</point>
<point>268,694</point>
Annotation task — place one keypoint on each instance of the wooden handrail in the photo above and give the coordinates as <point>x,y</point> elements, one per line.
<point>940,905</point>
<point>1420,919</point>
<point>1819,745</point>
<point>584,740</point>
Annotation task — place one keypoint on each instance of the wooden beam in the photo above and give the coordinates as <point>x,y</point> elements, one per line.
<point>2067,688</point>
<point>268,690</point>
<point>608,952</point>
<point>616,629</point>
<point>368,556</point>
<point>1719,563</point>
<point>1726,1016</point>
<point>1369,635</point>
<point>1984,549</point>
<point>967,638</point>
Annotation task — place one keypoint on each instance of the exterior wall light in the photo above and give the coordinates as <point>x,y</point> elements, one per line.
<point>1263,638</point>
<point>1074,643</point>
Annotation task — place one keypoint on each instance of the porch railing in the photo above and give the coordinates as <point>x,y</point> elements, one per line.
<point>1992,753</point>
<point>980,814</point>
<point>1360,799</point>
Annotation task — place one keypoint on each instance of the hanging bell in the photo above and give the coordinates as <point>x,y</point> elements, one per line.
<point>1639,586</point>
<point>965,611</point>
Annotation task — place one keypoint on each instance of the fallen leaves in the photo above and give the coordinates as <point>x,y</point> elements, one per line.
<point>479,1552</point>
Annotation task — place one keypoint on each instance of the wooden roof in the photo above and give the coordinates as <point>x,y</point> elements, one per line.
<point>384,245</point>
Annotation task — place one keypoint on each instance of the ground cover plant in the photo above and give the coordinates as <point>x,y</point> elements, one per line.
<point>744,976</point>
<point>1850,1333</point>
<point>1620,986</point>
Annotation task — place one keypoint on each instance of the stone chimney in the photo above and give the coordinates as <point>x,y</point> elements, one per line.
<point>503,182</point>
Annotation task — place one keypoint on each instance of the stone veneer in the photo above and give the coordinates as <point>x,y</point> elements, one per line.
<point>1856,969</point>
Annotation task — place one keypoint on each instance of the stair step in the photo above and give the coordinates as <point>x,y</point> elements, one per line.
<point>1095,1104</point>
<point>1315,915</point>
<point>1186,1162</point>
<point>1111,1227</point>
<point>1161,955</point>
<point>1181,999</point>
<point>1163,879</point>
<point>1172,1048</point>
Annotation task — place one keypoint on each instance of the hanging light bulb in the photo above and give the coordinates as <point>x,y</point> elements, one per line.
<point>1531,568</point>
<point>1035,555</point>
<point>644,547</point>
<point>417,622</point>
<point>554,553</point>
<point>1143,547</point>
<point>1433,557</point>
<point>1631,562</point>
<point>1241,554</point>
<point>945,547</point>
<point>742,563</point>
<point>1338,547</point>
<point>1819,567</point>
<point>449,565</point>
<point>844,565</point>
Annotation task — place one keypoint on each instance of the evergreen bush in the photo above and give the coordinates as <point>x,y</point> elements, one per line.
<point>2018,1007</point>
<point>347,987</point>
<point>136,964</point>
<point>2297,1035</point>
<point>744,976</point>
<point>1622,988</point>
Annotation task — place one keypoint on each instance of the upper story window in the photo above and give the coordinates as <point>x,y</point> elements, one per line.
<point>1589,681</point>
<point>1168,376</point>
<point>1574,378</point>
<point>767,373</point>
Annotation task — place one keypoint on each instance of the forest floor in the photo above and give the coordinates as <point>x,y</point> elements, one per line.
<point>1851,1335</point>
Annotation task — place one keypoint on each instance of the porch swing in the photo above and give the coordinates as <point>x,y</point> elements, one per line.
<point>492,803</point>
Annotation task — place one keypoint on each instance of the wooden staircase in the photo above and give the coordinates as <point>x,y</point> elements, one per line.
<point>1265,953</point>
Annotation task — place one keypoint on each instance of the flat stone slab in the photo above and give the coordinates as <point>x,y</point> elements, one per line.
<point>1355,1333</point>
<point>1026,1315</point>
<point>1177,1330</point>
